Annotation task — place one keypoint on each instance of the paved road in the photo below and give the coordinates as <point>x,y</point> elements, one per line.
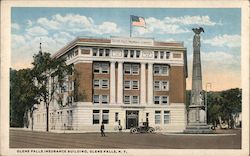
<point>28,139</point>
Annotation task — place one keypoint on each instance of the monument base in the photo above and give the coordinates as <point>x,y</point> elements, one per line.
<point>198,129</point>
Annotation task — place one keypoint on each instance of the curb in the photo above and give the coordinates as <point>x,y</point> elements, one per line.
<point>207,135</point>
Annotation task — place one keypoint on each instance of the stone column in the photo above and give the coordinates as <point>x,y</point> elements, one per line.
<point>150,83</point>
<point>112,82</point>
<point>120,83</point>
<point>197,104</point>
<point>143,84</point>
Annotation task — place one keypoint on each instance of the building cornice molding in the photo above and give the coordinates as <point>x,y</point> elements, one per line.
<point>82,59</point>
<point>177,46</point>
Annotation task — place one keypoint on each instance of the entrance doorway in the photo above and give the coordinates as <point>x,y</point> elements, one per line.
<point>131,119</point>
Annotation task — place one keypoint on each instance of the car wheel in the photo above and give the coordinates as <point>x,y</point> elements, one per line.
<point>212,127</point>
<point>133,130</point>
<point>151,130</point>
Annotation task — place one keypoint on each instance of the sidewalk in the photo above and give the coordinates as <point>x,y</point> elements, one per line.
<point>218,132</point>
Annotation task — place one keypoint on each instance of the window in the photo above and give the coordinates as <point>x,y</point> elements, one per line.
<point>166,117</point>
<point>58,116</point>
<point>157,117</point>
<point>161,69</point>
<point>96,98</point>
<point>157,99</point>
<point>116,116</point>
<point>135,69</point>
<point>70,113</point>
<point>162,54</point>
<point>164,100</point>
<point>125,53</point>
<point>156,69</point>
<point>164,69</point>
<point>101,51</point>
<point>137,53</point>
<point>127,99</point>
<point>131,84</point>
<point>126,84</point>
<point>105,68</point>
<point>167,55</point>
<point>161,100</point>
<point>157,85</point>
<point>61,115</point>
<point>105,84</point>
<point>96,116</point>
<point>71,85</point>
<point>135,84</point>
<point>132,53</point>
<point>131,69</point>
<point>76,52</point>
<point>96,84</point>
<point>135,99</point>
<point>161,85</point>
<point>104,99</point>
<point>105,116</point>
<point>127,68</point>
<point>96,68</point>
<point>107,52</point>
<point>100,99</point>
<point>70,99</point>
<point>95,51</point>
<point>164,85</point>
<point>101,84</point>
<point>155,54</point>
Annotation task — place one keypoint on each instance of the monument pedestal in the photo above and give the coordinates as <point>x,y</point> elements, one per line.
<point>198,128</point>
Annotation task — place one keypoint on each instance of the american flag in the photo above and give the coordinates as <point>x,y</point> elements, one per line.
<point>137,21</point>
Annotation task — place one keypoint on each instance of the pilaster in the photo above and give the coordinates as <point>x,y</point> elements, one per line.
<point>112,82</point>
<point>120,83</point>
<point>143,84</point>
<point>150,83</point>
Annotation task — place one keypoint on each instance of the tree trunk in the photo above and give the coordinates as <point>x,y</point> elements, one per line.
<point>47,118</point>
<point>32,121</point>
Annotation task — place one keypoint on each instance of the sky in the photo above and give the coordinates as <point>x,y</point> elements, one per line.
<point>55,27</point>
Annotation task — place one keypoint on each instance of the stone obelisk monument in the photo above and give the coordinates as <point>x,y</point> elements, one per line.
<point>196,114</point>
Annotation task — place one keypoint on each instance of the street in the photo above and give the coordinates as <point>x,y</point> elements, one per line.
<point>28,139</point>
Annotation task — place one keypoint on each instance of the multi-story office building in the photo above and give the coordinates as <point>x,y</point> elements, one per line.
<point>120,80</point>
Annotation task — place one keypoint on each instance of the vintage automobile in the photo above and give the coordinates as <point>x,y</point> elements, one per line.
<point>142,128</point>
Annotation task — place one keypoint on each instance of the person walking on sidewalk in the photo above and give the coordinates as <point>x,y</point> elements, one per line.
<point>102,130</point>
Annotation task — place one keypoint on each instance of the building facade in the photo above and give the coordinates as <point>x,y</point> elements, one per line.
<point>119,81</point>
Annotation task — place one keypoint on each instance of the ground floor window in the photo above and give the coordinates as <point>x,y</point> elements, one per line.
<point>166,117</point>
<point>58,116</point>
<point>116,116</point>
<point>105,116</point>
<point>96,116</point>
<point>157,117</point>
<point>101,116</point>
<point>61,117</point>
<point>70,117</point>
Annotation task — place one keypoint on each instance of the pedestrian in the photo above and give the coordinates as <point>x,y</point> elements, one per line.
<point>102,130</point>
<point>120,126</point>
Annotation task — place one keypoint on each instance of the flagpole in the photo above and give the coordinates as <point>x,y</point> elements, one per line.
<point>130,26</point>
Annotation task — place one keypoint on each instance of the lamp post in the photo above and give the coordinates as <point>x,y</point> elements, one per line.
<point>210,86</point>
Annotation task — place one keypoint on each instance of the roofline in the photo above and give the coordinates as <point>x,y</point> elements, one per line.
<point>76,42</point>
